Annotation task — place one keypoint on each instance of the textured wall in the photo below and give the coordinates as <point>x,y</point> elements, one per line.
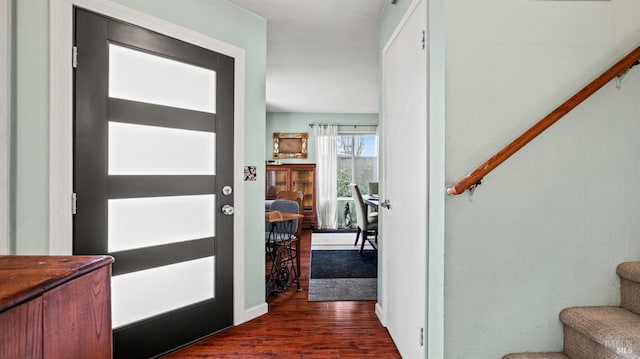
<point>547,228</point>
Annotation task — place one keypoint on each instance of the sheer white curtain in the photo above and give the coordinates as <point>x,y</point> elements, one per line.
<point>326,176</point>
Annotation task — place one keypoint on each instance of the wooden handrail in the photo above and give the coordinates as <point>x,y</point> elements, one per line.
<point>474,178</point>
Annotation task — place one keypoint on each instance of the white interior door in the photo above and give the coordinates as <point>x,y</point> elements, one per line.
<point>404,184</point>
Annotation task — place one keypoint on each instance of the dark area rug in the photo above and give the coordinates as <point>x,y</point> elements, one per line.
<point>343,275</point>
<point>344,264</point>
<point>343,289</point>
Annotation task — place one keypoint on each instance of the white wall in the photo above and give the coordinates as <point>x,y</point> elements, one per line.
<point>547,228</point>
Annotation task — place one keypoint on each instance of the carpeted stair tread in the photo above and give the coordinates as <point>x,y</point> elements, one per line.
<point>629,270</point>
<point>629,274</point>
<point>615,329</point>
<point>536,356</point>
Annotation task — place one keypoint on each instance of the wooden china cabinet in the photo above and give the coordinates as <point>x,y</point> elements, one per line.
<point>294,177</point>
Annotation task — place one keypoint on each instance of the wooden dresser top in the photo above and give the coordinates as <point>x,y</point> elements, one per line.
<point>25,277</point>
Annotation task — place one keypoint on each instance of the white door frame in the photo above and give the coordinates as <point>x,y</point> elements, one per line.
<point>5,125</point>
<point>436,172</point>
<point>61,123</point>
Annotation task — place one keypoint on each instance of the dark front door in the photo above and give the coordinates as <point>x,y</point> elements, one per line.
<point>153,151</point>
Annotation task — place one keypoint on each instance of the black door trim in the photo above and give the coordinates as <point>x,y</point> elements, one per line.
<point>150,257</point>
<point>140,113</point>
<point>133,186</point>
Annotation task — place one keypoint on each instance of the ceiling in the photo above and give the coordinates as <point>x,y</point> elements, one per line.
<point>322,55</point>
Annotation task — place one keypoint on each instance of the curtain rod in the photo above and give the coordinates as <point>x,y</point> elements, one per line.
<point>344,125</point>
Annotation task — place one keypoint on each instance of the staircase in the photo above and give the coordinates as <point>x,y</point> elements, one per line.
<point>602,332</point>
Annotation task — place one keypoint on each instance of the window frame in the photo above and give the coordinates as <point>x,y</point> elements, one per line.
<point>354,133</point>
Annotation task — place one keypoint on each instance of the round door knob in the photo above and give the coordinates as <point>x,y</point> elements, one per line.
<point>227,210</point>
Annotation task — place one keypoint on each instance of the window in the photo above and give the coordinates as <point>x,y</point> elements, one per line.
<point>357,161</point>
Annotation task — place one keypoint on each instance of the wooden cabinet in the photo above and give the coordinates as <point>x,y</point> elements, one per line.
<point>295,177</point>
<point>55,307</point>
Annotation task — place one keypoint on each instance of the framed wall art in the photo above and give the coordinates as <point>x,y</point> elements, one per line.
<point>290,145</point>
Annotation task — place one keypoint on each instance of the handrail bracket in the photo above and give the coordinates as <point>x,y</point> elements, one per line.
<point>620,77</point>
<point>472,189</point>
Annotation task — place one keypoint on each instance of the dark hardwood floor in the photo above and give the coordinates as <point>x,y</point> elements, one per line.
<point>297,328</point>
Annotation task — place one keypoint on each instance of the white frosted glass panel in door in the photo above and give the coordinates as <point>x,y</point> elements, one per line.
<point>151,150</point>
<point>144,222</point>
<point>142,294</point>
<point>139,76</point>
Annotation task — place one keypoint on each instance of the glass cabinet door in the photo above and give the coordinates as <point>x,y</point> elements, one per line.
<point>276,181</point>
<point>294,177</point>
<point>302,180</point>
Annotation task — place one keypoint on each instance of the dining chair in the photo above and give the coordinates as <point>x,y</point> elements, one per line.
<point>285,206</point>
<point>367,222</point>
<point>298,197</point>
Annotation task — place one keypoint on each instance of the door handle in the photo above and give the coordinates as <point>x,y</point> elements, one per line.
<point>386,204</point>
<point>228,210</point>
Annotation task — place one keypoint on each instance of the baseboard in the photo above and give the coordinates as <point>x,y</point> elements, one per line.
<point>380,314</point>
<point>253,313</point>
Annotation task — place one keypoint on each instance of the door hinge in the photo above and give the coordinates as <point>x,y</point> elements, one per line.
<point>74,203</point>
<point>74,57</point>
<point>421,337</point>
<point>424,39</point>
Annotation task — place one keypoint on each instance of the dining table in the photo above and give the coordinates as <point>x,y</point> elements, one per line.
<point>372,201</point>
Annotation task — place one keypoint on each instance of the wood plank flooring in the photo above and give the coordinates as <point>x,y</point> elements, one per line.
<point>296,328</point>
